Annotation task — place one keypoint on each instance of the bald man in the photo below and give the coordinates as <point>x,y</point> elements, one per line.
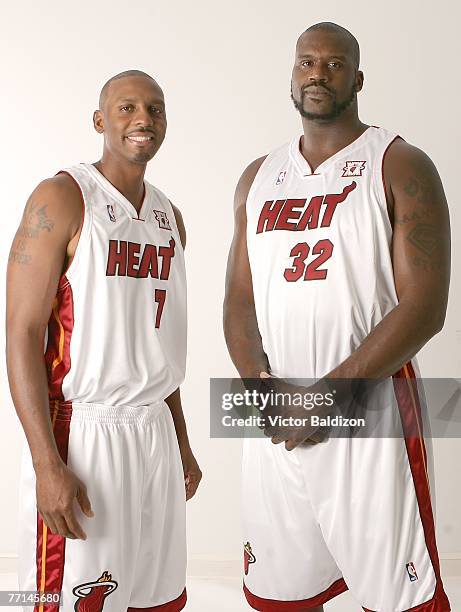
<point>101,253</point>
<point>339,269</point>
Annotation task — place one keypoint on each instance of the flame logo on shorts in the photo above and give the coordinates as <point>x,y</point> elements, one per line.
<point>248,557</point>
<point>91,595</point>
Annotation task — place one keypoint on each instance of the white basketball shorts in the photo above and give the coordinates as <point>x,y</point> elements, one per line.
<point>348,513</point>
<point>134,557</point>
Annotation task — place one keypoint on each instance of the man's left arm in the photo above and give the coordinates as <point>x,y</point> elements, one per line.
<point>421,261</point>
<point>192,472</point>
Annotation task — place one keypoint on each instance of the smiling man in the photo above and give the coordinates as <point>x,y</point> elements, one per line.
<point>97,265</point>
<point>339,269</point>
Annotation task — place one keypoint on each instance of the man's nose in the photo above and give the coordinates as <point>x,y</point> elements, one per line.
<point>143,117</point>
<point>319,73</point>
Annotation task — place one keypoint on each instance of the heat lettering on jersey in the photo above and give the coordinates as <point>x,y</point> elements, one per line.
<point>125,259</point>
<point>294,215</point>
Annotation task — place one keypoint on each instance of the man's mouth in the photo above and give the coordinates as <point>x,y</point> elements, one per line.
<point>140,138</point>
<point>316,93</point>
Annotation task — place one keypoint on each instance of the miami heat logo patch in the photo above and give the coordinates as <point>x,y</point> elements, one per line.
<point>162,219</point>
<point>248,557</point>
<point>353,168</point>
<point>91,595</point>
<point>110,212</point>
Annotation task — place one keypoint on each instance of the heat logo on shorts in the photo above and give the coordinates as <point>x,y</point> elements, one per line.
<point>91,595</point>
<point>411,572</point>
<point>248,557</point>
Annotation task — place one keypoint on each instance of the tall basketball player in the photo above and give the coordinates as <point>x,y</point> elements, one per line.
<point>339,269</point>
<point>98,265</point>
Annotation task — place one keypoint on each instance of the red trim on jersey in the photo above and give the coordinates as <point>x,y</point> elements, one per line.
<point>433,605</point>
<point>60,326</point>
<point>382,174</point>
<point>382,165</point>
<point>406,392</point>
<point>171,606</point>
<point>83,212</point>
<point>51,547</point>
<point>275,605</point>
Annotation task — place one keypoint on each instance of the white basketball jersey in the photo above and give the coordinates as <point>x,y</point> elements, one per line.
<point>117,333</point>
<point>319,245</point>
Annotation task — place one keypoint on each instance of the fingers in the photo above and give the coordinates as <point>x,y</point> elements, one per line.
<point>73,525</point>
<point>64,524</point>
<point>49,522</point>
<point>63,528</point>
<point>192,481</point>
<point>84,501</point>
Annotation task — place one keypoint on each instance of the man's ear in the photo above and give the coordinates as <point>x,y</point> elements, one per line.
<point>359,80</point>
<point>98,121</point>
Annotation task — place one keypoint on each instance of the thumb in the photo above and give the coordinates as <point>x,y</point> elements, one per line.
<point>83,501</point>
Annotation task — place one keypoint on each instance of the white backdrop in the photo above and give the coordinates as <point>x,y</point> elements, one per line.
<point>225,69</point>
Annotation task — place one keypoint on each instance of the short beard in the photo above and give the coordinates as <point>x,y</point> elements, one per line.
<point>335,111</point>
<point>142,158</point>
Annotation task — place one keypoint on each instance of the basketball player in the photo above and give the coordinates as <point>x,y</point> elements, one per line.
<point>339,269</point>
<point>98,263</point>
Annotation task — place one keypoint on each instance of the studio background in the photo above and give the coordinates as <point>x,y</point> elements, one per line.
<point>225,69</point>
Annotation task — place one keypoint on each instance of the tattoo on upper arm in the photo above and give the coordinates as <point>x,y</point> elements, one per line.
<point>427,240</point>
<point>35,220</point>
<point>419,186</point>
<point>427,264</point>
<point>424,237</point>
<point>416,215</point>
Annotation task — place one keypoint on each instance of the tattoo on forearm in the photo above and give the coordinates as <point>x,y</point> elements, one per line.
<point>35,220</point>
<point>419,187</point>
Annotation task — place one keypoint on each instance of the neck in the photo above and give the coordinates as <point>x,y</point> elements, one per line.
<point>128,178</point>
<point>332,135</point>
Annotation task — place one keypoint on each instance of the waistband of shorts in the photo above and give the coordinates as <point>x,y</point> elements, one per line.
<point>104,413</point>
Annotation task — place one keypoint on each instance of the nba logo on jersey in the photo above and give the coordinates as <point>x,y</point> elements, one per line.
<point>412,572</point>
<point>281,177</point>
<point>353,168</point>
<point>110,210</point>
<point>162,219</point>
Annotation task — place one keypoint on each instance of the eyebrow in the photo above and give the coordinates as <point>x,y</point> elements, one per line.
<point>333,56</point>
<point>132,101</point>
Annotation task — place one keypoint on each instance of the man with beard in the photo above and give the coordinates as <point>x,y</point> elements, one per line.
<point>339,269</point>
<point>98,264</point>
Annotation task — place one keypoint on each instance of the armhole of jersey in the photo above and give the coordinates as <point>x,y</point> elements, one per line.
<point>380,182</point>
<point>169,208</point>
<point>86,223</point>
<point>175,224</point>
<point>260,170</point>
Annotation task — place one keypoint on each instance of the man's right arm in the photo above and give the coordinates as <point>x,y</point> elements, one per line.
<point>240,324</point>
<point>51,221</point>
